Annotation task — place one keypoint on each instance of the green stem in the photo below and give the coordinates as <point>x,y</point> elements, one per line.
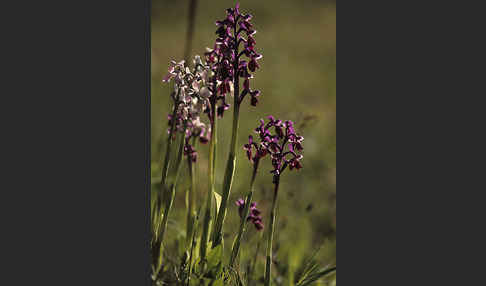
<point>171,190</point>
<point>193,245</point>
<point>156,206</point>
<point>231,163</point>
<point>191,208</point>
<point>209,198</point>
<point>191,165</point>
<point>165,169</point>
<point>268,267</point>
<point>230,169</point>
<point>246,212</point>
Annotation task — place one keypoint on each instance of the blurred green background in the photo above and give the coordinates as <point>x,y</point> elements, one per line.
<point>297,80</point>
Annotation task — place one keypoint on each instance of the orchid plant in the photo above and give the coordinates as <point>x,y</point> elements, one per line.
<point>200,98</point>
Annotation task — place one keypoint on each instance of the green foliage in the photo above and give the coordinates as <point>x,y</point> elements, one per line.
<point>214,262</point>
<point>312,272</point>
<point>297,81</point>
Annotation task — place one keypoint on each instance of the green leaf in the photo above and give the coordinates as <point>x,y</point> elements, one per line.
<point>159,262</point>
<point>214,256</point>
<point>315,275</point>
<point>214,262</point>
<point>218,282</point>
<point>217,197</point>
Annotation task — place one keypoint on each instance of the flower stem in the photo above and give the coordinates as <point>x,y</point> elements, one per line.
<point>228,181</point>
<point>192,246</point>
<point>246,212</point>
<point>191,208</point>
<point>156,210</point>
<point>230,166</point>
<point>211,169</point>
<point>171,190</point>
<point>165,168</point>
<point>268,267</point>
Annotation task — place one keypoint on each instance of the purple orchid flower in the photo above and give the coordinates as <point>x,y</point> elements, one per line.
<point>227,60</point>
<point>277,138</point>
<point>254,215</point>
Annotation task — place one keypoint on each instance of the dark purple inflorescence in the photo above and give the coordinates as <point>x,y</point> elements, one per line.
<point>254,151</point>
<point>227,61</point>
<point>254,215</point>
<point>278,138</point>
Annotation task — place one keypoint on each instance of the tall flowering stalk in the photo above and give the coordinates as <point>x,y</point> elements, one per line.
<point>248,213</point>
<point>190,100</point>
<point>213,112</point>
<point>198,134</point>
<point>254,153</point>
<point>233,32</point>
<point>159,198</point>
<point>157,216</point>
<point>279,139</point>
<point>170,193</point>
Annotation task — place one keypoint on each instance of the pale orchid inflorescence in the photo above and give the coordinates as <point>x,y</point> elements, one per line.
<point>191,98</point>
